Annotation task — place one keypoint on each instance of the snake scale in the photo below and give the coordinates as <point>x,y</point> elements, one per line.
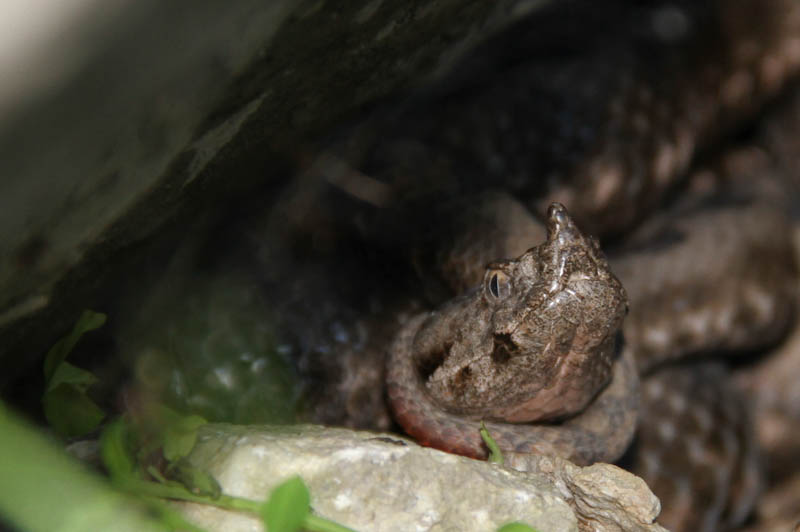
<point>659,252</point>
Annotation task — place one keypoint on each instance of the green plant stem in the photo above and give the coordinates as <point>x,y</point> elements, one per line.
<point>312,523</point>
<point>166,491</point>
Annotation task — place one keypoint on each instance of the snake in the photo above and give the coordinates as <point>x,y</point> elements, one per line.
<point>571,251</point>
<point>562,350</point>
<point>536,353</point>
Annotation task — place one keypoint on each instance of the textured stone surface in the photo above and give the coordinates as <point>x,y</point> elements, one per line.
<point>370,481</point>
<point>605,497</point>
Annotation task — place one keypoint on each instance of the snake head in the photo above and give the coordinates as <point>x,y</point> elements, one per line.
<point>534,280</point>
<point>537,340</point>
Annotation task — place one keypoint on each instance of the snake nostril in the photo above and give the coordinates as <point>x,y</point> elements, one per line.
<point>428,363</point>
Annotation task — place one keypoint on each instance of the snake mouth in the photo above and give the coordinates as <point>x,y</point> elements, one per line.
<point>427,364</point>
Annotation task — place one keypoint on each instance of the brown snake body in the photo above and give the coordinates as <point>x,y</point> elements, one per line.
<point>709,277</point>
<point>689,423</point>
<point>608,124</point>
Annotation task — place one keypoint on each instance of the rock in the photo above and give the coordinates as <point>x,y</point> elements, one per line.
<point>115,120</point>
<point>372,481</point>
<point>604,496</point>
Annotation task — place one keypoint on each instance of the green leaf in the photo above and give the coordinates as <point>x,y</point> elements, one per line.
<point>70,411</point>
<point>180,436</point>
<point>115,450</point>
<point>196,480</point>
<point>495,454</point>
<point>516,527</point>
<point>287,507</point>
<point>88,321</point>
<point>66,406</point>
<point>71,375</point>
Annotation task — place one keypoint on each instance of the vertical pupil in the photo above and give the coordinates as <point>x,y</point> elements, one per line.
<point>495,289</point>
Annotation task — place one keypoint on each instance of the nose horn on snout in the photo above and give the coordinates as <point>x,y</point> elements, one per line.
<point>559,223</point>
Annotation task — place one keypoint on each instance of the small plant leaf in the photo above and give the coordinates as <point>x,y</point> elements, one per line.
<point>180,436</point>
<point>287,507</point>
<point>196,480</point>
<point>88,321</point>
<point>495,454</point>
<point>115,450</point>
<point>71,375</point>
<point>66,406</point>
<point>70,411</point>
<point>516,527</point>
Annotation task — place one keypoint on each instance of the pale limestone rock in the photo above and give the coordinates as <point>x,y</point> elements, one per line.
<point>604,496</point>
<point>379,482</point>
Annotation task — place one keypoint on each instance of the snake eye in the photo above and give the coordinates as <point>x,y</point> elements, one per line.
<point>497,284</point>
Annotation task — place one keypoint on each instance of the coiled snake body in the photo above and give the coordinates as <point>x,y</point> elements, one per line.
<point>607,124</point>
<point>533,351</point>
